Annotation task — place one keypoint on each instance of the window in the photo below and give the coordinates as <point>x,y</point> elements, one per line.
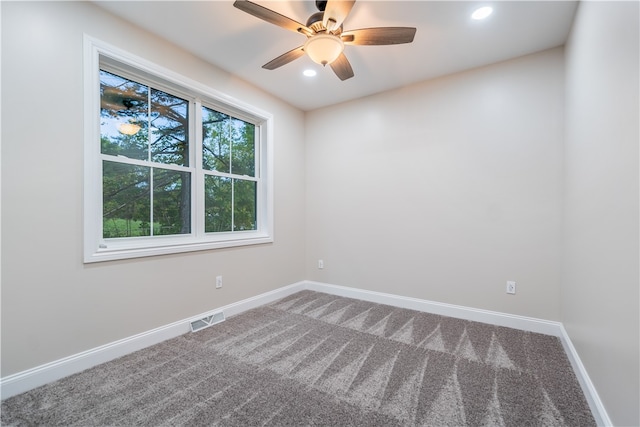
<point>170,165</point>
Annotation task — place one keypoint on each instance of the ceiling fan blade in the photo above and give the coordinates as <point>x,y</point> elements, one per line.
<point>285,58</point>
<point>335,12</point>
<point>342,67</point>
<point>379,36</point>
<point>272,17</point>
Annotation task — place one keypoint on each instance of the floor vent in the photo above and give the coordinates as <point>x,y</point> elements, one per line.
<point>205,322</point>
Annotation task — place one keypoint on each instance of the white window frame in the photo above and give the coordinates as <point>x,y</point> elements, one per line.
<point>96,248</point>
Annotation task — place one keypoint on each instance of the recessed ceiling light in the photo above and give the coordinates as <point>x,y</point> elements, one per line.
<point>309,73</point>
<point>482,12</point>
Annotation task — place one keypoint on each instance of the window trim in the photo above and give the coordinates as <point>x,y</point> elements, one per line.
<point>95,249</point>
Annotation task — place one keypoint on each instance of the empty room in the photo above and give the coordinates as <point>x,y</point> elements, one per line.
<point>320,213</point>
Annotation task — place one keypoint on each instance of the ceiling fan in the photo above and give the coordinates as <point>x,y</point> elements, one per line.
<point>325,36</point>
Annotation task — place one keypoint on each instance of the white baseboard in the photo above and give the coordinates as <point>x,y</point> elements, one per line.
<point>460,312</point>
<point>485,316</point>
<point>593,399</point>
<point>35,377</point>
<point>20,382</point>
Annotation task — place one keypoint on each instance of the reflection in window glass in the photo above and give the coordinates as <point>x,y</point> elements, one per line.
<point>136,119</point>
<point>138,122</point>
<point>123,117</point>
<point>149,174</point>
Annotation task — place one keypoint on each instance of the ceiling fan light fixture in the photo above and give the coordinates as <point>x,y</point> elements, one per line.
<point>324,48</point>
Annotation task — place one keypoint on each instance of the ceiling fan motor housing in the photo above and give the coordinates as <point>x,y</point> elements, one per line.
<point>315,22</point>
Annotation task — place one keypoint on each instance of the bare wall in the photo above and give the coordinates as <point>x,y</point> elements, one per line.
<point>600,292</point>
<point>54,306</point>
<point>444,190</point>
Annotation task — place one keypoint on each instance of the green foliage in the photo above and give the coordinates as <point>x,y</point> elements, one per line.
<point>125,190</point>
<point>228,144</point>
<point>230,204</point>
<point>228,147</point>
<point>217,204</point>
<point>133,194</point>
<point>119,227</point>
<point>126,196</point>
<point>245,205</point>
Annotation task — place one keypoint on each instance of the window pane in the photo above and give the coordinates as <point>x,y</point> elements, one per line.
<point>126,210</point>
<point>216,144</point>
<point>171,202</point>
<point>169,129</point>
<point>217,204</point>
<point>244,193</point>
<point>123,117</point>
<point>243,148</point>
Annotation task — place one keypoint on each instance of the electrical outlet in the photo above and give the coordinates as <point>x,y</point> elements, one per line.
<point>320,264</point>
<point>511,287</point>
<point>218,282</point>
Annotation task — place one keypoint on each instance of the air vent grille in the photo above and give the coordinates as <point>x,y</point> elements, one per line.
<point>205,322</point>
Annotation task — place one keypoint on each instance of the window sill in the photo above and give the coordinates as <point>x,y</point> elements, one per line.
<point>120,251</point>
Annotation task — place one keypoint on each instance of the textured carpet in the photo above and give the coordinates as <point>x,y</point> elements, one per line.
<point>318,359</point>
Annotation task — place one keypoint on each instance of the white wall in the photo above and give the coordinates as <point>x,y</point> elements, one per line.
<point>54,306</point>
<point>601,256</point>
<point>444,190</point>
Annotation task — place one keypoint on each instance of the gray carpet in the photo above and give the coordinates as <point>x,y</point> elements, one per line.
<point>318,359</point>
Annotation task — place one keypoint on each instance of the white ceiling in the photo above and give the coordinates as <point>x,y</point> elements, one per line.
<point>447,41</point>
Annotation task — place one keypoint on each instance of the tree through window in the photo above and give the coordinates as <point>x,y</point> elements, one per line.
<point>140,123</point>
<point>176,170</point>
<point>228,156</point>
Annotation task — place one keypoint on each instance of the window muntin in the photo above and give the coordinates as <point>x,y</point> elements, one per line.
<point>228,158</point>
<point>191,190</point>
<point>139,122</point>
<point>230,204</point>
<point>228,144</point>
